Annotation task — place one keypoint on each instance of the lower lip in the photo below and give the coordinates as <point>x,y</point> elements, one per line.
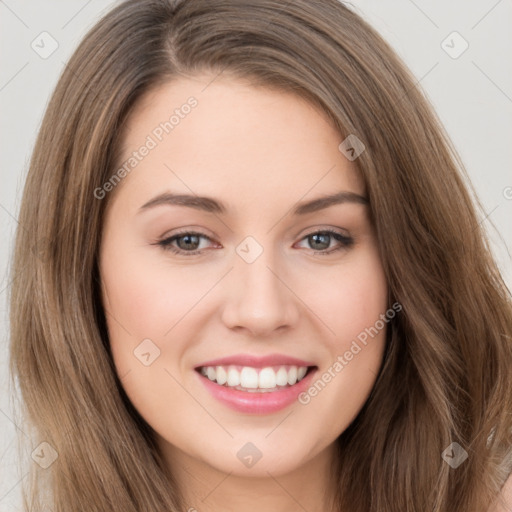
<point>256,402</point>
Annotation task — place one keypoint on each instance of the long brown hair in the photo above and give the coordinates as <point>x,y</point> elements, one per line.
<point>446,376</point>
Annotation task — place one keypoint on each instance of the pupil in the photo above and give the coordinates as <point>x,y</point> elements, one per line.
<point>188,238</point>
<point>317,236</point>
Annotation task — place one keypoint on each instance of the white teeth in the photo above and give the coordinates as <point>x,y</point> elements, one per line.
<point>292,375</point>
<point>249,377</point>
<point>254,379</point>
<point>222,376</point>
<point>282,377</point>
<point>267,378</point>
<point>233,377</point>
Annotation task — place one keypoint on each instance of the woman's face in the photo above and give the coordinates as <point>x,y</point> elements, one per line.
<point>260,270</point>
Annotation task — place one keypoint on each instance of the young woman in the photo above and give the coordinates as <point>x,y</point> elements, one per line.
<point>259,281</point>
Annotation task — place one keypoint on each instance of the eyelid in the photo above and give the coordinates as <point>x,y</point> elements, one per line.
<point>321,229</point>
<point>189,230</point>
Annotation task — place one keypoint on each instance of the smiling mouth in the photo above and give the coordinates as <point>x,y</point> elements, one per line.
<point>256,380</point>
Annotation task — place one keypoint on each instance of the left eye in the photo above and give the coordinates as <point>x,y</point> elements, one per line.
<point>188,242</point>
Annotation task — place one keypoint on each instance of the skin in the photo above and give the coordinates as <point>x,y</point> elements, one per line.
<point>260,152</point>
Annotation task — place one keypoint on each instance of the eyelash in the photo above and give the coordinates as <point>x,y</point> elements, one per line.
<point>345,242</point>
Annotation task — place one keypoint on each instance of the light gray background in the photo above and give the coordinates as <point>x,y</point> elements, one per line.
<point>472,95</point>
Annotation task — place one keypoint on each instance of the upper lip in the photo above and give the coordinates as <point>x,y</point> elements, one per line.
<point>256,361</point>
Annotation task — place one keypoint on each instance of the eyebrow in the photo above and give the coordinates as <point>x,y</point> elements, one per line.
<point>211,205</point>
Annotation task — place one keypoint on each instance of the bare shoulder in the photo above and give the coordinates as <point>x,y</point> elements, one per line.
<point>505,501</point>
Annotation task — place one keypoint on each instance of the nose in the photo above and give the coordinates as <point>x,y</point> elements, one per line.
<point>258,298</point>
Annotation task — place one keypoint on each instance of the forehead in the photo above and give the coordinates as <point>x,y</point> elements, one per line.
<point>224,137</point>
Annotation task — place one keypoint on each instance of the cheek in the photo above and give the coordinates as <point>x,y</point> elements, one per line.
<point>148,298</point>
<point>354,309</point>
<point>351,298</point>
<point>143,302</point>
